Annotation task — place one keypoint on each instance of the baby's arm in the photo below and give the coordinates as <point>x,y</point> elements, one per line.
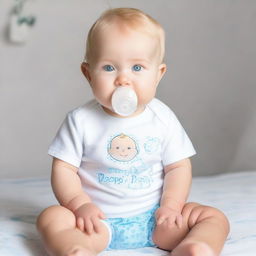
<point>68,190</point>
<point>177,181</point>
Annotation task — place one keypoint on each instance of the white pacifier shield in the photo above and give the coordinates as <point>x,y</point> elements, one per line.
<point>124,101</point>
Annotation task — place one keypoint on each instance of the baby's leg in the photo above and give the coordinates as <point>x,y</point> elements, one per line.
<point>57,225</point>
<point>203,232</point>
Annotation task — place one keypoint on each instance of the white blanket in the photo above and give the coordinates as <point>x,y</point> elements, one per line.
<point>21,200</point>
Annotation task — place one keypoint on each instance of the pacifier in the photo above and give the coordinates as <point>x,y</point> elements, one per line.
<point>124,101</point>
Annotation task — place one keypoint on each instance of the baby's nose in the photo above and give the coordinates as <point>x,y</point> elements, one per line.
<point>122,79</point>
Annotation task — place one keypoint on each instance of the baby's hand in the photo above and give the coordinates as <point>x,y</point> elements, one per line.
<point>169,215</point>
<point>88,218</point>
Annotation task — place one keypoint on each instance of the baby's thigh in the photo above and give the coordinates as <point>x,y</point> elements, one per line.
<point>168,237</point>
<point>56,218</point>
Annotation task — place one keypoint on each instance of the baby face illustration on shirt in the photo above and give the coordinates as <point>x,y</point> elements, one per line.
<point>123,148</point>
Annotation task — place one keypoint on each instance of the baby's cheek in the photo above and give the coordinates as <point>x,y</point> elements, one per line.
<point>146,95</point>
<point>114,151</point>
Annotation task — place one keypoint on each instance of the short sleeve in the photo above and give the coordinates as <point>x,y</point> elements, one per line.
<point>68,142</point>
<point>177,145</point>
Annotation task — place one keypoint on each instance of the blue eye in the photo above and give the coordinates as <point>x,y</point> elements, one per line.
<point>137,68</point>
<point>108,68</point>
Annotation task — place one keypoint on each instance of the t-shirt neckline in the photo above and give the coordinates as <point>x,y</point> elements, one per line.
<point>122,119</point>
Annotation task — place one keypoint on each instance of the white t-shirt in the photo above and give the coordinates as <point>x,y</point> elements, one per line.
<point>121,160</point>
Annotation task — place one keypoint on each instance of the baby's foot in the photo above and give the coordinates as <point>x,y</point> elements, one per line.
<point>79,251</point>
<point>193,249</point>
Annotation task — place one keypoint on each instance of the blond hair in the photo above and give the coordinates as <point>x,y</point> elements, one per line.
<point>131,17</point>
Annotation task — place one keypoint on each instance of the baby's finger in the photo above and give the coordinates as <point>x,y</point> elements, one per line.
<point>102,215</point>
<point>88,226</point>
<point>161,219</point>
<point>171,220</point>
<point>96,224</point>
<point>179,221</point>
<point>80,223</point>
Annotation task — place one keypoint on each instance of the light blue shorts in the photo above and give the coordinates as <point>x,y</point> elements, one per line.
<point>133,232</point>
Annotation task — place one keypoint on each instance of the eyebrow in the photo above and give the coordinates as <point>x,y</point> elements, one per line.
<point>132,60</point>
<point>139,60</point>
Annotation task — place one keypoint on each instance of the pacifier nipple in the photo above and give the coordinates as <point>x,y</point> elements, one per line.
<point>124,101</point>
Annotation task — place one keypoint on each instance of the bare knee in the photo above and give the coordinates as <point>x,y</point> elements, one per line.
<point>54,216</point>
<point>199,213</point>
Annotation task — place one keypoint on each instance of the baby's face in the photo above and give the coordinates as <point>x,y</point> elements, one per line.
<point>124,57</point>
<point>123,148</point>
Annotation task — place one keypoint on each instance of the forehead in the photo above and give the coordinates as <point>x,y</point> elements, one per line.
<point>119,40</point>
<point>122,140</point>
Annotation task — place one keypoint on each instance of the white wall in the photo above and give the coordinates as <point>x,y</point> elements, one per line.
<point>210,82</point>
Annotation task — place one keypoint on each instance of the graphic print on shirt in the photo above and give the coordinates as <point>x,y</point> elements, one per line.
<point>152,145</point>
<point>133,173</point>
<point>123,148</point>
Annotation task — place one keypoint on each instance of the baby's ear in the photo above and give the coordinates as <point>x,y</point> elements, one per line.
<point>161,71</point>
<point>85,71</point>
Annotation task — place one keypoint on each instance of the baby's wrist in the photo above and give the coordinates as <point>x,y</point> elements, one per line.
<point>172,203</point>
<point>77,202</point>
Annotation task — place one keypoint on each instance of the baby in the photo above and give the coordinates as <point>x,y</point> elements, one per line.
<point>121,169</point>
